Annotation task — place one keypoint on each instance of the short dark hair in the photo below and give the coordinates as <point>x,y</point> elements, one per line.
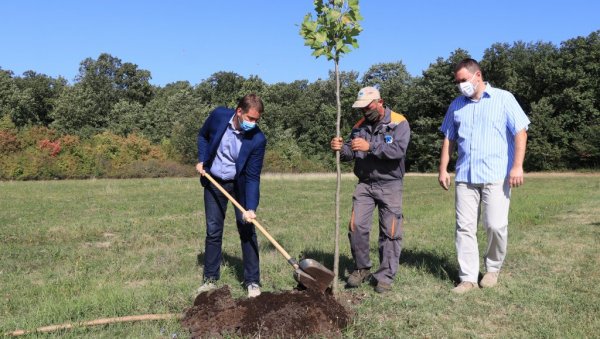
<point>470,64</point>
<point>251,101</point>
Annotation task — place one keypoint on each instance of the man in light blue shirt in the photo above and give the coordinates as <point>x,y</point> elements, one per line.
<point>223,166</point>
<point>490,129</point>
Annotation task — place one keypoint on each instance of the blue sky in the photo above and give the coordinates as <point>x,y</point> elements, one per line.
<point>190,40</point>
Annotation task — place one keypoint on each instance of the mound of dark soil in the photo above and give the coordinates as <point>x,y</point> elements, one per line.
<point>286,314</point>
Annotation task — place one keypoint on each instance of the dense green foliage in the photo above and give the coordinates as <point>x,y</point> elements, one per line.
<point>557,86</point>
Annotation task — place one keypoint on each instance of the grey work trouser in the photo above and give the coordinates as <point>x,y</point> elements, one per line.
<point>387,196</point>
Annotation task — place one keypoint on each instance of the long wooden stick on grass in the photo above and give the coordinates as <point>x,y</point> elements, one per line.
<point>103,321</point>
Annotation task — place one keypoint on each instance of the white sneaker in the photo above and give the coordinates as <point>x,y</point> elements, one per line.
<point>207,286</point>
<point>253,290</point>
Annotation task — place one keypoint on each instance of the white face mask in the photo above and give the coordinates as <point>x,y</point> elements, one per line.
<point>466,88</point>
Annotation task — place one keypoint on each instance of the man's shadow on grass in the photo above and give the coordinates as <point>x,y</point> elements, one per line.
<point>434,264</point>
<point>232,261</point>
<point>237,264</point>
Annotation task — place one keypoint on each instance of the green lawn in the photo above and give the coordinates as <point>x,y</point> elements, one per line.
<point>74,251</point>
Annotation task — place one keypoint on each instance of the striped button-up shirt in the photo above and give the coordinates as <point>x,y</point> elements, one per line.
<point>484,131</point>
<point>223,167</point>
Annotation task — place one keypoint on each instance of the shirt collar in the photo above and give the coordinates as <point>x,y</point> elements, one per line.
<point>387,116</point>
<point>232,126</point>
<point>487,92</point>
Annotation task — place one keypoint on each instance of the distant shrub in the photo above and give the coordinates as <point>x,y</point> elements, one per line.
<point>53,148</point>
<point>9,143</point>
<point>152,169</point>
<point>33,165</point>
<point>9,167</point>
<point>40,153</point>
<point>69,142</point>
<point>167,147</point>
<point>30,136</point>
<point>277,161</point>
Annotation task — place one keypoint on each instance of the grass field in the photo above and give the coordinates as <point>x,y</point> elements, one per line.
<point>73,251</point>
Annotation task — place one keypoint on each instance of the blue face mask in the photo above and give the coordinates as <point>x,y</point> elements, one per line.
<point>246,125</point>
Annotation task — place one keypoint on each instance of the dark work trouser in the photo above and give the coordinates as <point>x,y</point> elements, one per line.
<point>387,196</point>
<point>215,208</point>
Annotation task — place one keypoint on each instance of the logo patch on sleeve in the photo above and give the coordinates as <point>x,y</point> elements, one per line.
<point>388,139</point>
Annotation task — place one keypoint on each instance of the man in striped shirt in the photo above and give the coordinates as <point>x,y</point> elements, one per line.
<point>490,129</point>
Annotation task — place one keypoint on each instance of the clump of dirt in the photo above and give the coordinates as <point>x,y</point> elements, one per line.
<point>286,314</point>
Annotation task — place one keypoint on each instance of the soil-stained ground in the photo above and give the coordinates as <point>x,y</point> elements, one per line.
<point>286,314</point>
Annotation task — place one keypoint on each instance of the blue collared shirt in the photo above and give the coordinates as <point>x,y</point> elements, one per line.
<point>224,164</point>
<point>484,131</point>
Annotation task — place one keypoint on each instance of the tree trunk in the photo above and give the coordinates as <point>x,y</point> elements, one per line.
<point>336,255</point>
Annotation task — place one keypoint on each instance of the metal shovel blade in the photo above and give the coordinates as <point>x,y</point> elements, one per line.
<point>312,275</point>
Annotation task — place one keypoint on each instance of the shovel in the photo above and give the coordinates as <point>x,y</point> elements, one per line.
<point>308,273</point>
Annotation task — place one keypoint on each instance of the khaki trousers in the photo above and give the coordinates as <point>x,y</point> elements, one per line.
<point>494,200</point>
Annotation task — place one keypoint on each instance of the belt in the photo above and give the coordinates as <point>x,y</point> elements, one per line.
<point>378,181</point>
<point>219,180</point>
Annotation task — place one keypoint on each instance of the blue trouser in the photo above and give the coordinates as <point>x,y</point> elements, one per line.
<point>215,208</point>
<point>387,196</point>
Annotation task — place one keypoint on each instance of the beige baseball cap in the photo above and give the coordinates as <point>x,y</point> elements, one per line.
<point>365,96</point>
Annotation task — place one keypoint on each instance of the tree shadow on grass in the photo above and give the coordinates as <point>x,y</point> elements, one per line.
<point>436,265</point>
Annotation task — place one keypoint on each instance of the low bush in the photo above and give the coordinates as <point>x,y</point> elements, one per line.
<point>40,153</point>
<point>9,143</point>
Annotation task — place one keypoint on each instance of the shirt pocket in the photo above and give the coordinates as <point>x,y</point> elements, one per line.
<point>498,121</point>
<point>463,122</point>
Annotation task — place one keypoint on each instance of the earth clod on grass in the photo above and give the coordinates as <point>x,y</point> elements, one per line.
<point>296,313</point>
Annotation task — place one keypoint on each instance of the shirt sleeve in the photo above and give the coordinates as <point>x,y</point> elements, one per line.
<point>517,120</point>
<point>253,170</point>
<point>448,128</point>
<point>346,153</point>
<point>203,139</point>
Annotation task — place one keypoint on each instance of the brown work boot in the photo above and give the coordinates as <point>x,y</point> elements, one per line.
<point>490,279</point>
<point>464,287</point>
<point>383,287</point>
<point>358,277</point>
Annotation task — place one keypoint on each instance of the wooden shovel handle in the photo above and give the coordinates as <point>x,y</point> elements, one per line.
<point>259,226</point>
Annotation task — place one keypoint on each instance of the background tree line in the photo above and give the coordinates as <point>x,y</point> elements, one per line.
<point>112,122</point>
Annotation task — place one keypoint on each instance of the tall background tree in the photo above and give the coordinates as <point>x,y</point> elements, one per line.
<point>331,34</point>
<point>86,108</point>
